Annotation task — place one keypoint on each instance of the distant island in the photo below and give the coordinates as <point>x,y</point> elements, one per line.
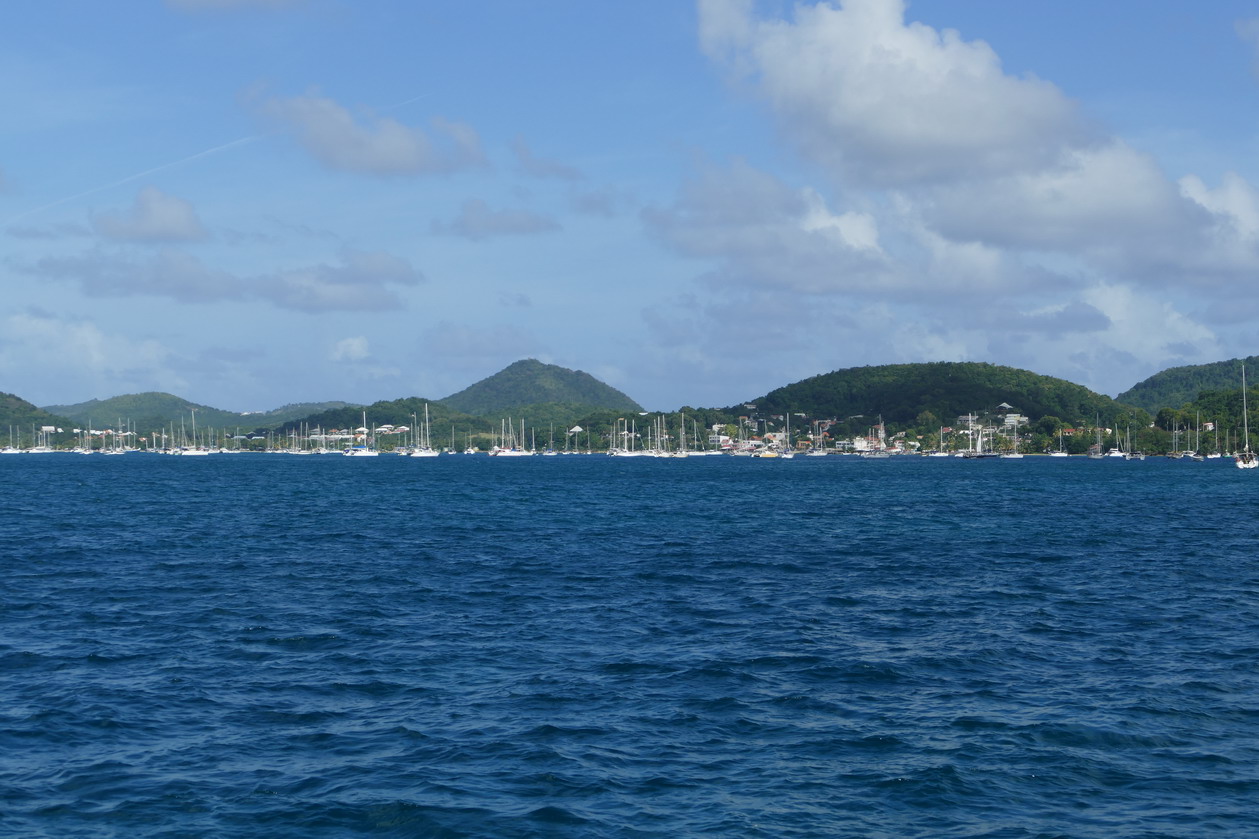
<point>907,407</point>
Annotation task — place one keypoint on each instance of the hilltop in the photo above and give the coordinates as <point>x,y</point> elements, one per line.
<point>1179,386</point>
<point>530,382</point>
<point>901,393</point>
<point>155,410</point>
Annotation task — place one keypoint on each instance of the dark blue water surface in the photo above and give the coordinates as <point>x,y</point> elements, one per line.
<point>264,646</point>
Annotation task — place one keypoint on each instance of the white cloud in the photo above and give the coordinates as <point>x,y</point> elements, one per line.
<point>1007,226</point>
<point>374,144</point>
<point>762,233</point>
<point>350,349</point>
<point>478,221</point>
<point>979,157</point>
<point>889,103</point>
<point>355,351</point>
<point>153,217</point>
<point>1098,196</point>
<point>40,352</point>
<point>1235,203</point>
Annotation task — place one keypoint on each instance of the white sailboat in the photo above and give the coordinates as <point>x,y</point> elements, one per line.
<point>366,449</point>
<point>1061,452</point>
<point>425,448</point>
<point>1246,459</point>
<point>188,451</point>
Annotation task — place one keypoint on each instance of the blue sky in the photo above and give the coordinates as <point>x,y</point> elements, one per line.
<point>255,202</point>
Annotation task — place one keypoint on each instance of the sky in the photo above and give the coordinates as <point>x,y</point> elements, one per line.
<point>251,203</point>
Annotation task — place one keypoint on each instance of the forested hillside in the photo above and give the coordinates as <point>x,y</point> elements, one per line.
<point>1177,386</point>
<point>530,382</point>
<point>902,393</point>
<point>20,420</point>
<point>154,410</point>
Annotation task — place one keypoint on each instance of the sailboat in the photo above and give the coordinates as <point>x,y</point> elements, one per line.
<point>195,448</point>
<point>1246,459</point>
<point>1061,452</point>
<point>1095,450</point>
<point>1130,454</point>
<point>364,450</point>
<point>425,448</point>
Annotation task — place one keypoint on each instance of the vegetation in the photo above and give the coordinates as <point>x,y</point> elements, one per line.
<point>23,420</point>
<point>919,395</point>
<point>153,410</point>
<point>1179,386</point>
<point>530,382</point>
<point>408,412</point>
<point>913,400</point>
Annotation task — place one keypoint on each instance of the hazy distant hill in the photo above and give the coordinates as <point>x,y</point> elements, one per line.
<point>530,382</point>
<point>1177,386</point>
<point>900,392</point>
<point>149,411</point>
<point>19,414</point>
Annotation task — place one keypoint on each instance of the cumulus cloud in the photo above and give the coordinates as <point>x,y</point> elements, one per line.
<point>890,103</point>
<point>350,349</point>
<point>374,144</point>
<point>980,156</point>
<point>764,233</point>
<point>357,281</point>
<point>1093,198</point>
<point>80,357</point>
<point>154,216</point>
<point>477,221</point>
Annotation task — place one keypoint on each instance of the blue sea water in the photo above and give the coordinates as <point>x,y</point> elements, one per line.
<point>267,646</point>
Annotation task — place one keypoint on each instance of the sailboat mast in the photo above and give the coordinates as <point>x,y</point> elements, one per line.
<point>1245,412</point>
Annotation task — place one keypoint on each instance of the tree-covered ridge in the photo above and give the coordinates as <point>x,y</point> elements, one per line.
<point>903,393</point>
<point>153,410</point>
<point>408,411</point>
<point>530,382</point>
<point>20,415</point>
<point>1178,386</point>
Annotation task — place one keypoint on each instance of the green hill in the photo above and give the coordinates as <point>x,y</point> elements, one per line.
<point>530,382</point>
<point>1178,386</point>
<point>149,411</point>
<point>19,416</point>
<point>946,390</point>
<point>408,412</point>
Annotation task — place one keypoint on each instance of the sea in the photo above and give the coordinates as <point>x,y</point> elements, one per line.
<point>586,646</point>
